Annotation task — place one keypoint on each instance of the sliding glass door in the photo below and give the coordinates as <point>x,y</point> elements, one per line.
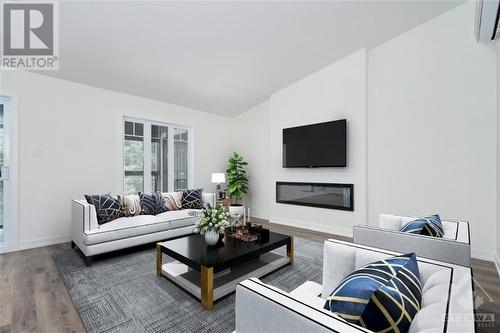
<point>157,156</point>
<point>4,170</point>
<point>181,148</point>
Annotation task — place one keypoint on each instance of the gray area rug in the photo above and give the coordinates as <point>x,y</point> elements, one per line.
<point>122,293</point>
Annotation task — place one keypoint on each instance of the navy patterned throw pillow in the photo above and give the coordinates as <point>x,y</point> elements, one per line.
<point>151,204</point>
<point>392,307</point>
<point>107,208</point>
<point>429,226</point>
<point>352,295</point>
<point>191,199</point>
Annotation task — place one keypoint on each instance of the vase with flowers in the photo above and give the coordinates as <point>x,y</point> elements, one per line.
<point>211,222</point>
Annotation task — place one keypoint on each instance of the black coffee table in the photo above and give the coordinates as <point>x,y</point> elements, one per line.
<point>210,273</point>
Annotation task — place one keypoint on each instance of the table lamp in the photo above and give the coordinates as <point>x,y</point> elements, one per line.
<point>218,178</point>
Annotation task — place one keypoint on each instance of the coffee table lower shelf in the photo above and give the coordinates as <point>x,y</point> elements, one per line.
<point>224,282</point>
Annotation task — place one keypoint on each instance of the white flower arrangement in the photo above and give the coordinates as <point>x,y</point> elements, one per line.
<point>212,219</point>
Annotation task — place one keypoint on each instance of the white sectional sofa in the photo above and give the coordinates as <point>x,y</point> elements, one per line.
<point>454,247</point>
<point>447,300</point>
<point>92,238</point>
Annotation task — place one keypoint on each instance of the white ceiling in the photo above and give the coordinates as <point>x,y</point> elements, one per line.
<point>221,57</point>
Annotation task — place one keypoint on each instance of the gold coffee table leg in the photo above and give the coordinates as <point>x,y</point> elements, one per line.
<point>207,287</point>
<point>159,261</point>
<point>289,250</point>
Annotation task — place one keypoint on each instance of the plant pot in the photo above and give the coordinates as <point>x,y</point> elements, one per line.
<point>236,210</point>
<point>211,237</point>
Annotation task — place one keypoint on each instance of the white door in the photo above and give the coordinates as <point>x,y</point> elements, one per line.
<point>5,226</point>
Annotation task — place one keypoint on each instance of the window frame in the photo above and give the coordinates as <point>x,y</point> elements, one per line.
<point>147,135</point>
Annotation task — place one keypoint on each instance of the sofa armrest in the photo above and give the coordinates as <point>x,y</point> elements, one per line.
<point>208,198</point>
<point>262,308</point>
<point>441,249</point>
<point>338,262</point>
<point>458,315</point>
<point>83,216</point>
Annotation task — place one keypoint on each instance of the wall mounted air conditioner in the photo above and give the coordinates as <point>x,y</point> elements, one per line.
<point>486,25</point>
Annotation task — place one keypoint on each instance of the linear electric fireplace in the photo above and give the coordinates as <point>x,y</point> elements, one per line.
<point>324,195</point>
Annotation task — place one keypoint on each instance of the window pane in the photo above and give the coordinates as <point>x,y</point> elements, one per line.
<point>159,158</point>
<point>180,160</point>
<point>139,129</point>
<point>134,154</point>
<point>134,184</point>
<point>129,128</point>
<point>133,158</point>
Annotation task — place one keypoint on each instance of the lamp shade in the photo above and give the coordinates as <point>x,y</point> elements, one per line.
<point>218,178</point>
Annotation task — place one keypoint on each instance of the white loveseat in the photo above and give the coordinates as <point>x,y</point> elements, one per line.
<point>447,298</point>
<point>454,247</point>
<point>92,238</point>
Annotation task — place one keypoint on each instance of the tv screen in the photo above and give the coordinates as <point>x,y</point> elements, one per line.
<point>317,145</point>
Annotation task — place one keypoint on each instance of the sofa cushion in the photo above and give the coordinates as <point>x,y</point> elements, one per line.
<point>172,200</point>
<point>428,318</point>
<point>107,208</point>
<point>178,218</point>
<point>429,226</point>
<point>434,295</point>
<point>307,290</point>
<point>440,277</point>
<point>393,306</point>
<point>191,199</point>
<point>351,296</point>
<point>151,204</point>
<point>125,227</point>
<point>131,204</point>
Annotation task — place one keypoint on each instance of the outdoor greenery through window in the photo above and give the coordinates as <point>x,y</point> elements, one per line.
<point>148,166</point>
<point>134,157</point>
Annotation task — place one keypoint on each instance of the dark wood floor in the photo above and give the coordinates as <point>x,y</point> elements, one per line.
<point>33,297</point>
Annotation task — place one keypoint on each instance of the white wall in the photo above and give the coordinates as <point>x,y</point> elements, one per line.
<point>423,137</point>
<point>335,92</point>
<point>430,133</point>
<point>251,132</point>
<point>77,128</point>
<point>432,126</point>
<point>497,257</point>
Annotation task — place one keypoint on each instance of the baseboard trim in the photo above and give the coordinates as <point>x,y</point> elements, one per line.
<point>497,264</point>
<point>345,232</point>
<point>5,248</point>
<point>483,254</point>
<point>258,216</point>
<point>31,244</point>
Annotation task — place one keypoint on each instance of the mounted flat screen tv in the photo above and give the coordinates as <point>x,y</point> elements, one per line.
<point>317,145</point>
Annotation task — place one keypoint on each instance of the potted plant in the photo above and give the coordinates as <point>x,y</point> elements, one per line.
<point>211,222</point>
<point>237,183</point>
